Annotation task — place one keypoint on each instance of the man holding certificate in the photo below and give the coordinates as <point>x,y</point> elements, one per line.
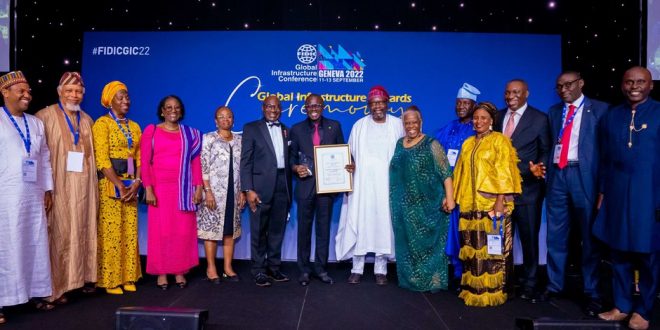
<point>313,131</point>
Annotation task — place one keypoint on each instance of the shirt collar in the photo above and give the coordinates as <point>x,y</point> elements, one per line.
<point>577,102</point>
<point>520,111</point>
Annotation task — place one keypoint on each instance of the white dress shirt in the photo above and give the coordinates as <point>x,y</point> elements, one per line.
<point>276,136</point>
<point>575,131</point>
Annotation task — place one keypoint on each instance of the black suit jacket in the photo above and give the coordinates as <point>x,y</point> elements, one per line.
<point>301,142</point>
<point>531,138</point>
<point>258,162</point>
<point>588,144</point>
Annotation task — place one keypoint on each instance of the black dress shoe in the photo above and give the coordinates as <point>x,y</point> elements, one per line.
<point>527,294</point>
<point>325,278</point>
<point>278,276</point>
<point>304,279</point>
<point>593,307</point>
<point>262,280</point>
<point>545,296</point>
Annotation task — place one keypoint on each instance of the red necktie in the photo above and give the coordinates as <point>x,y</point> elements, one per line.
<point>316,138</point>
<point>566,138</point>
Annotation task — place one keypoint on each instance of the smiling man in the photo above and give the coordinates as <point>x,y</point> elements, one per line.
<point>572,186</point>
<point>629,219</point>
<point>315,130</point>
<point>72,223</point>
<point>529,131</point>
<point>266,181</point>
<point>25,198</point>
<point>365,224</point>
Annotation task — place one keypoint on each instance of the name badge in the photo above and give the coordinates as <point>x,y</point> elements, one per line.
<point>555,158</point>
<point>74,161</point>
<point>494,245</point>
<point>30,170</point>
<point>452,155</point>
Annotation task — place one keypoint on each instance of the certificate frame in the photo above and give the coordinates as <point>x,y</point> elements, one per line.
<point>330,161</point>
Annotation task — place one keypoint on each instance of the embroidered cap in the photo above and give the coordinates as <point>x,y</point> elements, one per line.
<point>71,78</point>
<point>468,91</point>
<point>12,78</point>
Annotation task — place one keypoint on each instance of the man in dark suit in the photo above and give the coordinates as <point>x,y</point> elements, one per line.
<point>529,131</point>
<point>572,186</point>
<point>266,180</point>
<point>313,131</point>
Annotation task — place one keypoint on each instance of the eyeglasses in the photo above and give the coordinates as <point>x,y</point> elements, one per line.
<point>313,106</point>
<point>566,85</point>
<point>376,103</point>
<point>271,106</point>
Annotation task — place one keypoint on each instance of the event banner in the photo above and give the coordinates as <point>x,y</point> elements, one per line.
<point>241,68</point>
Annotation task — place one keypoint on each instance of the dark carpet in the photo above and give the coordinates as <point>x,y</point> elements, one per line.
<point>288,305</point>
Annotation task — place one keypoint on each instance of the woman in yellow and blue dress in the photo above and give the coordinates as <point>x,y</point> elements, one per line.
<point>117,152</point>
<point>486,179</point>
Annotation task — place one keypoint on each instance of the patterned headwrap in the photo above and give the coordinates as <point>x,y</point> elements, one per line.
<point>71,78</point>
<point>377,91</point>
<point>12,78</point>
<point>110,90</point>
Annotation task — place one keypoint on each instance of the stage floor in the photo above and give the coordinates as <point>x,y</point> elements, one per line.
<point>288,305</point>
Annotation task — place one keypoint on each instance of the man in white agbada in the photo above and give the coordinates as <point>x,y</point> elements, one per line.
<point>25,197</point>
<point>365,223</point>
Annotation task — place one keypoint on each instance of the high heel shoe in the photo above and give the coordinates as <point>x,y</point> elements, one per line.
<point>182,285</point>
<point>130,287</point>
<point>116,290</point>
<point>215,280</point>
<point>230,278</point>
<point>162,286</point>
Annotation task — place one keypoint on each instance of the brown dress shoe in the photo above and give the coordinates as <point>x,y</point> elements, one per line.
<point>637,322</point>
<point>381,279</point>
<point>613,315</point>
<point>354,278</point>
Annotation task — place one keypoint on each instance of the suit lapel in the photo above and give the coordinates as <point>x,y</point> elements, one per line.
<point>585,127</point>
<point>522,124</point>
<point>263,127</point>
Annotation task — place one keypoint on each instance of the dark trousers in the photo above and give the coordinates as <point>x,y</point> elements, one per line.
<point>319,207</point>
<point>267,226</point>
<point>623,265</point>
<point>527,219</point>
<point>568,208</point>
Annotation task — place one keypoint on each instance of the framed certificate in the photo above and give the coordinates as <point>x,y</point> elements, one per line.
<point>330,161</point>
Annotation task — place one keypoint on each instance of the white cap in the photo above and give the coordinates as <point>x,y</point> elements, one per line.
<point>468,91</point>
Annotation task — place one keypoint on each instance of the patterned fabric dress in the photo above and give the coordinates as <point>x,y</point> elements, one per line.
<point>486,168</point>
<point>215,168</point>
<point>118,254</point>
<point>420,226</point>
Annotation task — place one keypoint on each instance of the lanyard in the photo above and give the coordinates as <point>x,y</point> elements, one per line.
<point>501,218</point>
<point>76,132</point>
<point>26,140</point>
<point>569,120</point>
<point>128,135</point>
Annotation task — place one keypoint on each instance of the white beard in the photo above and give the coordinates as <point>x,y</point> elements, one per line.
<point>72,107</point>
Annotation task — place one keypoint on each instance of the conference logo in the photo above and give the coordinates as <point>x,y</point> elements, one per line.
<point>323,64</point>
<point>306,54</point>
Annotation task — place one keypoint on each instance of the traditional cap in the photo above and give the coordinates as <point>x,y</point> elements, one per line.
<point>71,78</point>
<point>12,78</point>
<point>110,90</point>
<point>468,91</point>
<point>378,91</point>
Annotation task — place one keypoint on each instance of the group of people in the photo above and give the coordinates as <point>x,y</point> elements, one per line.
<point>454,199</point>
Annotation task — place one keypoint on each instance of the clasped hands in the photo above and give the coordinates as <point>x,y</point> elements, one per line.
<point>128,194</point>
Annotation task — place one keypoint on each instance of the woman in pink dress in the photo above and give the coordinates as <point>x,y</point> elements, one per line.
<point>172,177</point>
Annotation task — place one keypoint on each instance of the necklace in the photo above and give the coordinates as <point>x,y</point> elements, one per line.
<point>481,135</point>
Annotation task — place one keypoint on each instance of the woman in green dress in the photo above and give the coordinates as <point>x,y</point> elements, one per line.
<point>421,195</point>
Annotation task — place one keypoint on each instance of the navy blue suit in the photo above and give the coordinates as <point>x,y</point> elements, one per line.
<point>628,221</point>
<point>310,204</point>
<point>259,173</point>
<point>531,138</point>
<point>571,197</point>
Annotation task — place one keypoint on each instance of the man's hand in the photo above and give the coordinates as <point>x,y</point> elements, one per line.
<point>599,201</point>
<point>301,170</point>
<point>48,201</point>
<point>537,169</point>
<point>241,200</point>
<point>253,200</point>
<point>350,168</point>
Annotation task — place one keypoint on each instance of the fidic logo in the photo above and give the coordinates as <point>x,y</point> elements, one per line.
<point>306,54</point>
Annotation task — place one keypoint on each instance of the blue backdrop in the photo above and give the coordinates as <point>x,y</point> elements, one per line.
<point>209,69</point>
